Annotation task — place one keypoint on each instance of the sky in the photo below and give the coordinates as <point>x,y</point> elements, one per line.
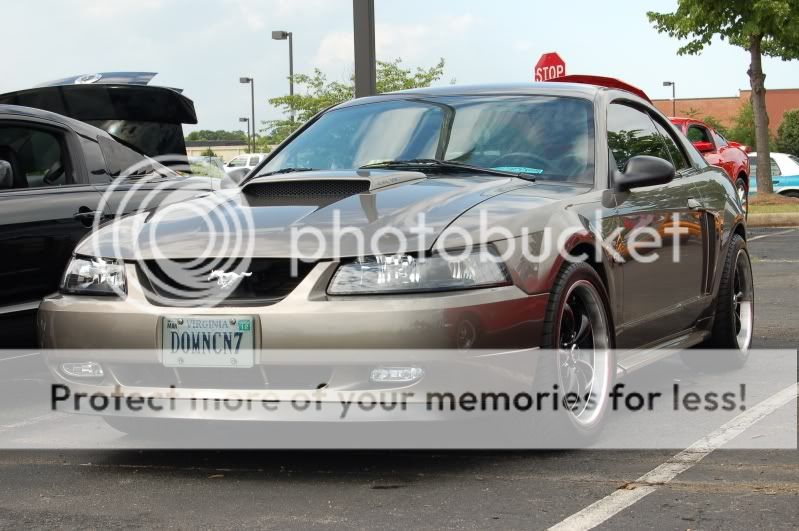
<point>204,46</point>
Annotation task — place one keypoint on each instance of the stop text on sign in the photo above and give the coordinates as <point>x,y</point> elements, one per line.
<point>549,66</point>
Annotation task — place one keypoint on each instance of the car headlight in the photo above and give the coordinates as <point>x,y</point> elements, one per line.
<point>94,276</point>
<point>407,273</point>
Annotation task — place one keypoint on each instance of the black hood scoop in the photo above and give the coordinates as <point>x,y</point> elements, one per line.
<point>321,187</point>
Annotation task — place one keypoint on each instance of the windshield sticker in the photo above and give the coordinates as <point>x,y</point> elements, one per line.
<point>519,169</point>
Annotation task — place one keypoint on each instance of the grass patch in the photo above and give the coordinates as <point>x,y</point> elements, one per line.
<point>774,209</point>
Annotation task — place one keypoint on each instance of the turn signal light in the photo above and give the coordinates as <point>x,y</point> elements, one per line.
<point>396,374</point>
<point>88,369</point>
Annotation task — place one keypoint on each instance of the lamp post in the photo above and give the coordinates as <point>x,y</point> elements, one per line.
<point>242,120</point>
<point>363,25</point>
<point>251,81</point>
<point>282,36</point>
<point>673,86</point>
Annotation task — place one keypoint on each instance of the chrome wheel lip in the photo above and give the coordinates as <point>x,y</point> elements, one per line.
<point>574,360</point>
<point>743,301</point>
<point>740,189</point>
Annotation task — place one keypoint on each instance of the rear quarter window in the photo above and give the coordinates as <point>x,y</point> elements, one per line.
<point>121,160</point>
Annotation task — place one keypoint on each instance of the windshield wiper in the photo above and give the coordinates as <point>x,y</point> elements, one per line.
<point>283,170</point>
<point>446,165</point>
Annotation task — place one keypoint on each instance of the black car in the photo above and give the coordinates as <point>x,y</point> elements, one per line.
<point>54,171</point>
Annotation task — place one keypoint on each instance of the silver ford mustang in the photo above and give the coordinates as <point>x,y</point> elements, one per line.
<point>568,223</point>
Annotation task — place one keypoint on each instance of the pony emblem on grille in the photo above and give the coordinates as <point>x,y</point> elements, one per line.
<point>225,280</point>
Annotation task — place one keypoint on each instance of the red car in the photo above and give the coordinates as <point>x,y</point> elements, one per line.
<point>719,151</point>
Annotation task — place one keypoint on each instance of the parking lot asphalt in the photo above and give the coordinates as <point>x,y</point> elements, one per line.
<point>740,489</point>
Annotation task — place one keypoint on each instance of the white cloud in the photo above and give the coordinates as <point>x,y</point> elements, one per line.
<point>336,49</point>
<point>106,8</point>
<point>412,42</point>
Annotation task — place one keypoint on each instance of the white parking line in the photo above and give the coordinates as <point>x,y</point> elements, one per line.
<point>27,422</point>
<point>770,234</point>
<point>607,507</point>
<point>20,356</point>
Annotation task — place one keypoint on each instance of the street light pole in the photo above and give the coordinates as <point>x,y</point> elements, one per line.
<point>281,36</point>
<point>251,81</point>
<point>249,140</point>
<point>673,86</point>
<point>363,23</point>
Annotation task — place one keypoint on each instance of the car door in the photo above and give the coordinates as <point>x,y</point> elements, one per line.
<point>701,137</point>
<point>46,210</point>
<point>661,241</point>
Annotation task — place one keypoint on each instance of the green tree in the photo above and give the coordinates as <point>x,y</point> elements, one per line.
<point>788,133</point>
<point>208,152</point>
<point>743,126</point>
<point>206,135</point>
<point>316,93</point>
<point>715,123</point>
<point>762,27</point>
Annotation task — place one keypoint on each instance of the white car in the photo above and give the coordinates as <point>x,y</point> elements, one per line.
<point>784,174</point>
<point>247,161</point>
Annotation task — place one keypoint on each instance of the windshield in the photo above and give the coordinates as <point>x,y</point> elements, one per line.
<point>545,136</point>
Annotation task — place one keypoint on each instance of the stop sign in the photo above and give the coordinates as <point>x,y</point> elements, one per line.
<point>549,66</point>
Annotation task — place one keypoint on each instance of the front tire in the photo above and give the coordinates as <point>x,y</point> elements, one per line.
<point>578,335</point>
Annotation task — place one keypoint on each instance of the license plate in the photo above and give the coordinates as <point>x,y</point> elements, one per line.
<point>207,341</point>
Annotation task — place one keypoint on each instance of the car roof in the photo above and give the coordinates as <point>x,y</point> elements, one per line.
<point>548,88</point>
<point>686,120</point>
<point>31,112</point>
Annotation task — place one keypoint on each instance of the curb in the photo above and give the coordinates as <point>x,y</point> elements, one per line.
<point>779,219</point>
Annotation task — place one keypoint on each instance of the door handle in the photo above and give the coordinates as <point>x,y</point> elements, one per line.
<point>693,204</point>
<point>87,215</point>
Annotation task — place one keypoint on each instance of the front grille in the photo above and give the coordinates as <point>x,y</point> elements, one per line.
<point>185,284</point>
<point>275,377</point>
<point>320,188</point>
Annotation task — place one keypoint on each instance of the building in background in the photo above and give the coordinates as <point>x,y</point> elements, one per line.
<point>224,149</point>
<point>725,109</point>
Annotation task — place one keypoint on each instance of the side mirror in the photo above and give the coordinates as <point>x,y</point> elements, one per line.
<point>745,149</point>
<point>704,147</point>
<point>643,170</point>
<point>6,175</point>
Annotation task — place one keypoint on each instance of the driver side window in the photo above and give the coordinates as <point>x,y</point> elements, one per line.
<point>36,157</point>
<point>630,133</point>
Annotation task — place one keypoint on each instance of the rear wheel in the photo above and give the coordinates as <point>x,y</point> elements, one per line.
<point>791,193</point>
<point>743,196</point>
<point>735,313</point>
<point>578,336</point>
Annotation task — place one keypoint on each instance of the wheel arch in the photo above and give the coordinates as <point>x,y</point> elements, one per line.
<point>740,230</point>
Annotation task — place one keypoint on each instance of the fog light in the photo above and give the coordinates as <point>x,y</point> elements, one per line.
<point>396,374</point>
<point>88,369</point>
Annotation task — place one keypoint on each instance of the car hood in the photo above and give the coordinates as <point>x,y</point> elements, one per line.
<point>301,215</point>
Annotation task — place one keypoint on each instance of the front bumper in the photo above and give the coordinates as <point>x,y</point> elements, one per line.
<point>306,343</point>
